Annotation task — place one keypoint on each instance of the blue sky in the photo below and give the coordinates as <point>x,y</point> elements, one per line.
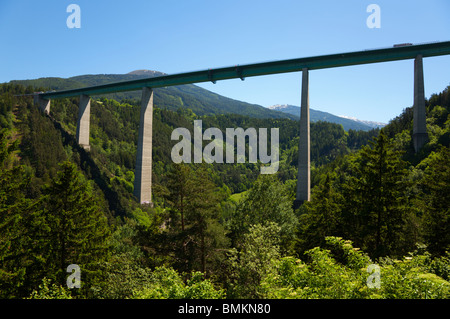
<point>175,36</point>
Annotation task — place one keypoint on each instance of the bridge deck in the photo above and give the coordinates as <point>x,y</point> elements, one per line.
<point>265,68</point>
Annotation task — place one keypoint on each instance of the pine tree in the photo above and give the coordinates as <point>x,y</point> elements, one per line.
<point>179,185</point>
<point>206,233</point>
<point>13,211</point>
<point>76,230</point>
<point>193,196</point>
<point>376,206</point>
<point>320,217</point>
<point>436,201</point>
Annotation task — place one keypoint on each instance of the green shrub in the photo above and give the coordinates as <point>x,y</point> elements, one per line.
<point>342,272</point>
<point>166,283</point>
<point>48,290</point>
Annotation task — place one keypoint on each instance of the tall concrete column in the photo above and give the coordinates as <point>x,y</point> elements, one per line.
<point>304,175</point>
<point>420,136</point>
<point>143,171</point>
<point>84,114</point>
<point>43,104</point>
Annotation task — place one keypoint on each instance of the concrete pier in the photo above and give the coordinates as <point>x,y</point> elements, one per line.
<point>420,135</point>
<point>84,113</point>
<point>143,171</point>
<point>43,104</point>
<point>304,174</point>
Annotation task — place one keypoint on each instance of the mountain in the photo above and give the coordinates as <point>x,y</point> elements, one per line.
<point>199,100</point>
<point>370,123</point>
<point>146,73</point>
<point>315,115</point>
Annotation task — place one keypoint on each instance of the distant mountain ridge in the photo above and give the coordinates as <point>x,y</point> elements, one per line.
<point>149,73</point>
<point>372,124</point>
<point>315,115</point>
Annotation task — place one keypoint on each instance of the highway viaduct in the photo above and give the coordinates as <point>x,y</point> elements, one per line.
<point>143,170</point>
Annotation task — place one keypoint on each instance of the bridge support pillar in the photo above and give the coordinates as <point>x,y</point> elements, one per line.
<point>304,174</point>
<point>143,171</point>
<point>420,135</point>
<point>43,104</point>
<point>84,113</point>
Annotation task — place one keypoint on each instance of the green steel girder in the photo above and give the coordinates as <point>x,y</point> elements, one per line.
<point>265,68</point>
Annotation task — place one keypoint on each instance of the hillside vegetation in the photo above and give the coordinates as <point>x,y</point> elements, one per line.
<point>374,202</point>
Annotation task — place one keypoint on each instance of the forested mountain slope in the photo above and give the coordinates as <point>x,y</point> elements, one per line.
<point>60,205</point>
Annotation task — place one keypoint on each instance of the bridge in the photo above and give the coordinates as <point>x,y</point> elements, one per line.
<point>143,170</point>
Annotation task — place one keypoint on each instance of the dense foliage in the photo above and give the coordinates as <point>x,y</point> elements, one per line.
<point>378,210</point>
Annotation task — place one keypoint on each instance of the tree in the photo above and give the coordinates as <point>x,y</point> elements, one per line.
<point>257,255</point>
<point>435,201</point>
<point>179,184</point>
<point>267,201</point>
<point>194,196</point>
<point>206,233</point>
<point>75,229</point>
<point>14,212</point>
<point>376,207</point>
<point>320,217</point>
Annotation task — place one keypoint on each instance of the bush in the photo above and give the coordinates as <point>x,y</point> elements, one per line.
<point>166,283</point>
<point>47,290</point>
<point>410,279</point>
<point>342,272</point>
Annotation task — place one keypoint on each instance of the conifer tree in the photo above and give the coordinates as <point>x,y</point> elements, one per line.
<point>76,230</point>
<point>320,217</point>
<point>179,184</point>
<point>194,196</point>
<point>436,201</point>
<point>376,206</point>
<point>206,232</point>
<point>13,210</point>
